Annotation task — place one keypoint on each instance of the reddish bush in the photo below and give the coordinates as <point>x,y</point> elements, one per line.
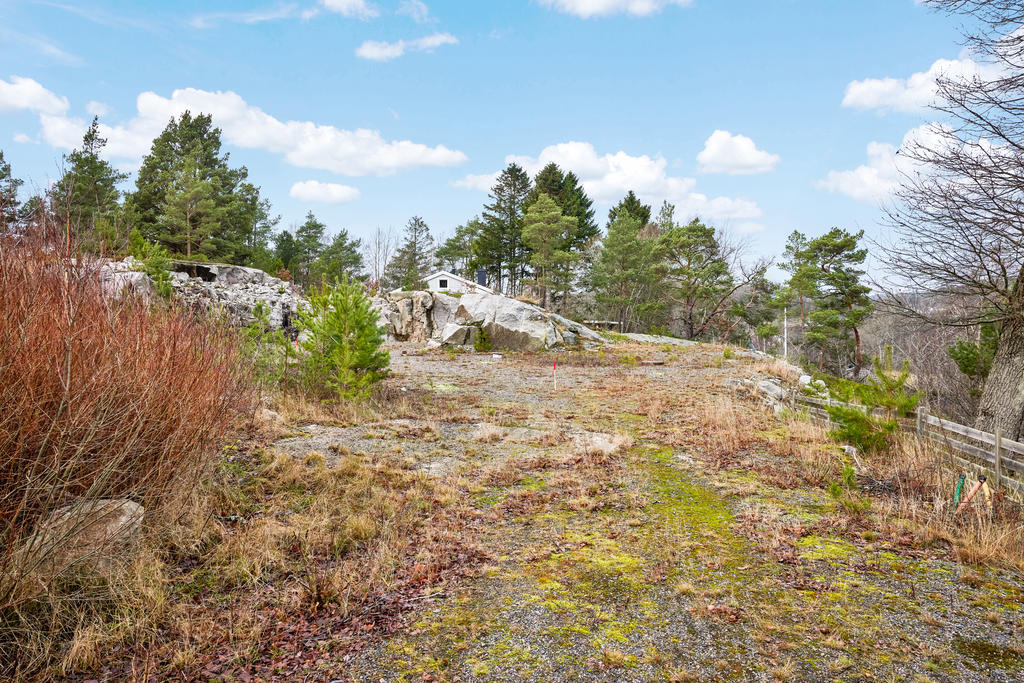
<point>100,398</point>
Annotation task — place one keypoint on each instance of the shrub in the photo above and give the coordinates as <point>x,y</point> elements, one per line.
<point>885,391</point>
<point>342,342</point>
<point>269,350</point>
<point>156,262</point>
<point>102,400</point>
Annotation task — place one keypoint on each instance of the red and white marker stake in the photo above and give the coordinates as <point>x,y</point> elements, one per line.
<point>554,374</point>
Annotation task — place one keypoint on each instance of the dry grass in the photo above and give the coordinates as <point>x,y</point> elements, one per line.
<point>488,433</point>
<point>102,400</point>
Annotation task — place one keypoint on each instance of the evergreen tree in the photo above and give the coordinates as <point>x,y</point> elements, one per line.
<point>500,249</point>
<point>565,190</point>
<point>340,259</point>
<point>456,253</point>
<point>842,301</point>
<point>86,197</point>
<point>285,249</point>
<point>414,260</point>
<point>548,235</point>
<point>8,197</point>
<point>633,206</point>
<point>627,273</point>
<point>699,282</point>
<point>343,342</point>
<point>309,245</point>
<point>191,218</point>
<point>803,272</point>
<point>242,217</point>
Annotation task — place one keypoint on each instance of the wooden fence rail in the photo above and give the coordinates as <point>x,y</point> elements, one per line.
<point>1000,460</point>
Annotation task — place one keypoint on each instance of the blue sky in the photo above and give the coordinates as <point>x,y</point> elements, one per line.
<point>370,111</point>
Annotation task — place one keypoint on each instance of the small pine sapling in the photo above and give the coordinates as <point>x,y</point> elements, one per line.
<point>342,342</point>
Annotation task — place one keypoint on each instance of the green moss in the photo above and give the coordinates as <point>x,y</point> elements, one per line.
<point>983,655</point>
<point>814,548</point>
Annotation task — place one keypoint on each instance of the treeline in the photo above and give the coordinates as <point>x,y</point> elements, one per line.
<point>536,238</point>
<point>188,202</point>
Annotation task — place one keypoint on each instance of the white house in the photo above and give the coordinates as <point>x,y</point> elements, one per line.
<point>449,283</point>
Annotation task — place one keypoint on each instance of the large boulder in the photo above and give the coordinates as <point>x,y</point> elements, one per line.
<point>410,318</point>
<point>441,319</point>
<point>90,533</point>
<point>508,323</point>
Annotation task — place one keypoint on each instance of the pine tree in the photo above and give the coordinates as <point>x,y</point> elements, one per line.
<point>548,235</point>
<point>86,196</point>
<point>285,249</point>
<point>191,218</point>
<point>500,249</point>
<point>698,278</point>
<point>414,259</point>
<point>456,253</point>
<point>842,301</point>
<point>340,259</point>
<point>244,222</point>
<point>343,342</point>
<point>634,207</point>
<point>8,197</point>
<point>803,272</point>
<point>309,245</point>
<point>627,273</point>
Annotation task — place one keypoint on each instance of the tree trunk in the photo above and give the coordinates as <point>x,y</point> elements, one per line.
<point>1002,400</point>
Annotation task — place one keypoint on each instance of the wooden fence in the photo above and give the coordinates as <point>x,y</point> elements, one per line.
<point>1000,460</point>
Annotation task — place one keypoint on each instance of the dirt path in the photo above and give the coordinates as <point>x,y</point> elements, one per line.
<point>620,550</point>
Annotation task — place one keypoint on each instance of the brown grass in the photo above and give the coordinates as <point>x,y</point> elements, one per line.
<point>102,399</point>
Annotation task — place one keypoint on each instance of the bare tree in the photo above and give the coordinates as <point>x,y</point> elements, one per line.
<point>378,250</point>
<point>959,214</point>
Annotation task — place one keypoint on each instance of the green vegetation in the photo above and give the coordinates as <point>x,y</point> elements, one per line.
<point>342,349</point>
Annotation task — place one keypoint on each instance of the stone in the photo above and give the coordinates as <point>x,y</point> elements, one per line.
<point>454,334</point>
<point>576,328</point>
<point>508,323</point>
<point>90,533</point>
<point>237,290</point>
<point>659,339</point>
<point>124,278</point>
<point>772,390</point>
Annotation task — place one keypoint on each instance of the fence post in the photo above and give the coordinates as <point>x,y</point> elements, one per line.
<point>998,479</point>
<point>920,422</point>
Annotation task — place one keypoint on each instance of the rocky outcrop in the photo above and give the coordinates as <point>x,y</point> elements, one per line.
<point>505,323</point>
<point>236,290</point>
<point>124,278</point>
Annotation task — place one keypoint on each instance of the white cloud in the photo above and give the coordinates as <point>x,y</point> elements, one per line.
<point>382,51</point>
<point>600,8</point>
<point>416,10</point>
<point>23,139</point>
<point>256,16</point>
<point>352,8</point>
<point>875,181</point>
<point>912,94</point>
<point>607,178</point>
<point>301,143</point>
<point>24,93</point>
<point>734,154</point>
<point>95,108</point>
<point>329,193</point>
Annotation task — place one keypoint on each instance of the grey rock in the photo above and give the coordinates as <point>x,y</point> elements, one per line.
<point>658,339</point>
<point>89,533</point>
<point>454,334</point>
<point>772,390</point>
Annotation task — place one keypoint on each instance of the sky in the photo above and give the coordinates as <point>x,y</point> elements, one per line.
<point>758,117</point>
